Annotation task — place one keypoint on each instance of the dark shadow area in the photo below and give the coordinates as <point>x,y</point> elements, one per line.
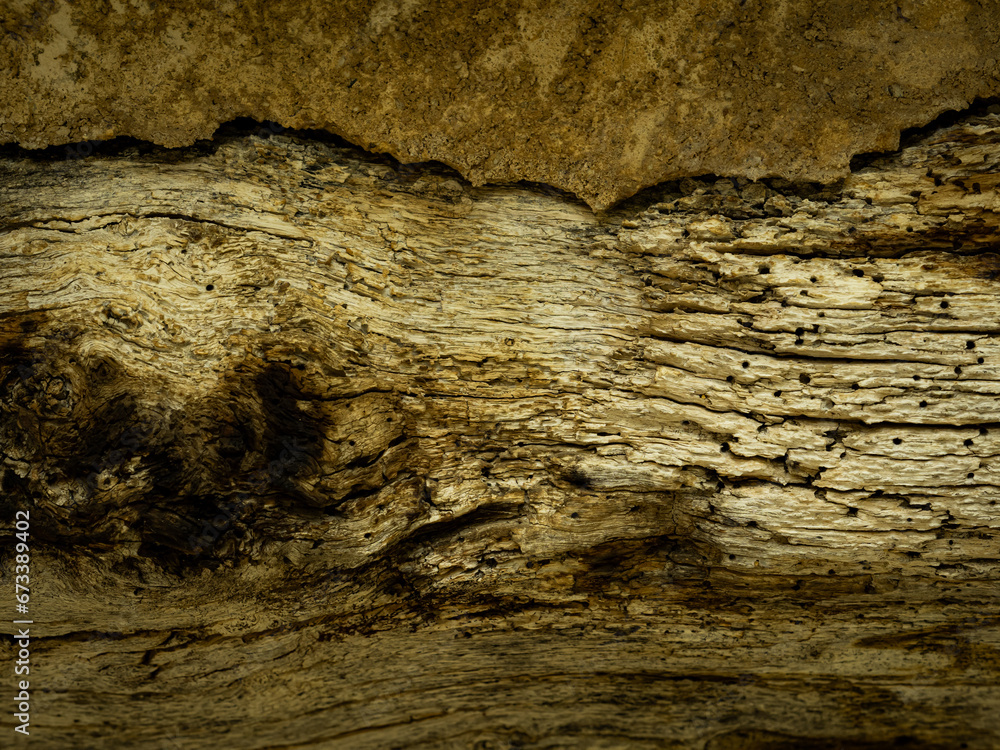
<point>910,136</point>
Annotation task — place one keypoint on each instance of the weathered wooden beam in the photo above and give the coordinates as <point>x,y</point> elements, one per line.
<point>321,451</point>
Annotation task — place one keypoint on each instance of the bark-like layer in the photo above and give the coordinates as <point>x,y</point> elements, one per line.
<point>600,98</point>
<point>321,451</point>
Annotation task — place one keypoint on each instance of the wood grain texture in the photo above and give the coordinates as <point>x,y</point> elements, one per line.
<point>322,451</point>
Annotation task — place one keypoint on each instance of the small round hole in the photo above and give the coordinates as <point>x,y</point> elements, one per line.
<point>923,404</point>
<point>803,378</point>
<point>980,361</point>
<point>777,394</point>
<point>967,442</point>
<point>209,287</point>
<point>746,364</point>
<point>944,304</point>
<point>897,441</point>
<point>958,370</point>
<point>970,344</point>
<point>812,279</point>
<point>763,270</point>
<point>858,272</point>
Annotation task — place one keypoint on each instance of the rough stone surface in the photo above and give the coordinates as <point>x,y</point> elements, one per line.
<point>599,98</point>
<point>324,452</point>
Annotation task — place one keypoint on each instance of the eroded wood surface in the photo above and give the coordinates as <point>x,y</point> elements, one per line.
<point>717,469</point>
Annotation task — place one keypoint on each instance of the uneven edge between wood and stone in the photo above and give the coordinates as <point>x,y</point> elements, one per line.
<point>323,451</point>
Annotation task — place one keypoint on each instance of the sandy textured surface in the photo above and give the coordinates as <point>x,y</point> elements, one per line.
<point>598,98</point>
